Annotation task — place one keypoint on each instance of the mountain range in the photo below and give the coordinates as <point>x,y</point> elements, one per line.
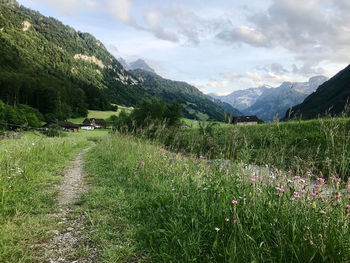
<point>242,99</point>
<point>269,103</point>
<point>330,98</point>
<point>137,64</point>
<point>63,72</point>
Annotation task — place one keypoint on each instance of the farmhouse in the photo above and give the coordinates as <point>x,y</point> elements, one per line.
<point>92,124</point>
<point>245,120</point>
<point>65,125</point>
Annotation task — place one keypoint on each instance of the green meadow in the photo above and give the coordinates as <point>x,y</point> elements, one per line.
<point>211,193</point>
<point>100,114</point>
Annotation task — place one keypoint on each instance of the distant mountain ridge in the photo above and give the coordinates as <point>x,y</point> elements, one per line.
<point>273,103</point>
<point>137,64</point>
<point>330,98</point>
<point>268,103</point>
<point>242,99</point>
<point>196,104</point>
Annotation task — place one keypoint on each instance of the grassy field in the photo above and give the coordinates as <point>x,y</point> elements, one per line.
<point>212,193</point>
<point>100,114</point>
<point>320,146</point>
<point>150,205</point>
<point>30,168</point>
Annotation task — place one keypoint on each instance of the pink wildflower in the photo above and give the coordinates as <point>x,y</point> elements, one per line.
<point>296,195</point>
<point>314,194</point>
<point>303,191</point>
<point>321,180</point>
<point>279,189</point>
<point>297,177</point>
<point>336,196</point>
<point>234,201</point>
<point>347,186</point>
<point>255,178</point>
<point>129,179</point>
<point>348,207</point>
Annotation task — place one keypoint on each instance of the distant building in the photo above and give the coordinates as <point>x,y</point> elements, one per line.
<point>65,125</point>
<point>245,120</point>
<point>92,124</point>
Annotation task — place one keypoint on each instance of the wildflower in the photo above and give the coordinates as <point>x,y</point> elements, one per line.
<point>347,186</point>
<point>297,177</point>
<point>279,189</point>
<point>314,194</point>
<point>309,174</point>
<point>321,180</point>
<point>33,143</point>
<point>234,201</point>
<point>336,197</point>
<point>289,171</point>
<point>303,191</point>
<point>227,219</point>
<point>217,229</point>
<point>296,195</point>
<point>129,179</point>
<point>234,220</point>
<point>255,178</point>
<point>348,207</point>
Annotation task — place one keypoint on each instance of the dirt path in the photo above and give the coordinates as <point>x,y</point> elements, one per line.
<point>69,243</point>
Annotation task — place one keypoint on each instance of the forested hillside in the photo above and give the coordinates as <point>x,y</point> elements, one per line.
<point>57,70</point>
<point>63,73</point>
<point>330,98</point>
<point>196,104</point>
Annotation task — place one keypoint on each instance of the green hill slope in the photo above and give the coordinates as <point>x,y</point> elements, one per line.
<point>56,69</point>
<point>196,104</point>
<point>62,72</point>
<point>329,98</point>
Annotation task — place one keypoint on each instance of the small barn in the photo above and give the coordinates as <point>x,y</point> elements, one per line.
<point>65,125</point>
<point>245,120</point>
<point>92,124</point>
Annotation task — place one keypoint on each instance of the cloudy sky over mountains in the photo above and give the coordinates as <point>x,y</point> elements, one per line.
<point>219,46</point>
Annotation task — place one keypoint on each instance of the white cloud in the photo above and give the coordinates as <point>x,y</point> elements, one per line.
<point>120,9</point>
<point>243,34</point>
<point>66,7</point>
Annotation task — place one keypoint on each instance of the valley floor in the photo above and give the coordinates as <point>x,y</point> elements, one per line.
<point>93,197</point>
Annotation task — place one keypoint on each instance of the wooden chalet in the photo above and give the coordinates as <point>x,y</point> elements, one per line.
<point>245,120</point>
<point>65,125</point>
<point>92,124</point>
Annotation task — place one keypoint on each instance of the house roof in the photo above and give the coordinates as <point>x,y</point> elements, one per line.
<point>90,121</point>
<point>63,124</point>
<point>245,119</point>
<point>100,121</point>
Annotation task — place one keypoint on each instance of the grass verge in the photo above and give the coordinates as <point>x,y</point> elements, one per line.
<point>149,205</point>
<point>29,169</point>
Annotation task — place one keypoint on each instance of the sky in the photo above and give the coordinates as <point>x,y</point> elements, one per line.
<point>218,46</point>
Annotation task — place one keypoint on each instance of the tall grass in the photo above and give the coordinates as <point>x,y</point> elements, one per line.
<point>29,168</point>
<point>150,205</point>
<point>320,146</point>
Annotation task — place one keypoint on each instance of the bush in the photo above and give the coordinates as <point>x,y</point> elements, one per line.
<point>54,131</point>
